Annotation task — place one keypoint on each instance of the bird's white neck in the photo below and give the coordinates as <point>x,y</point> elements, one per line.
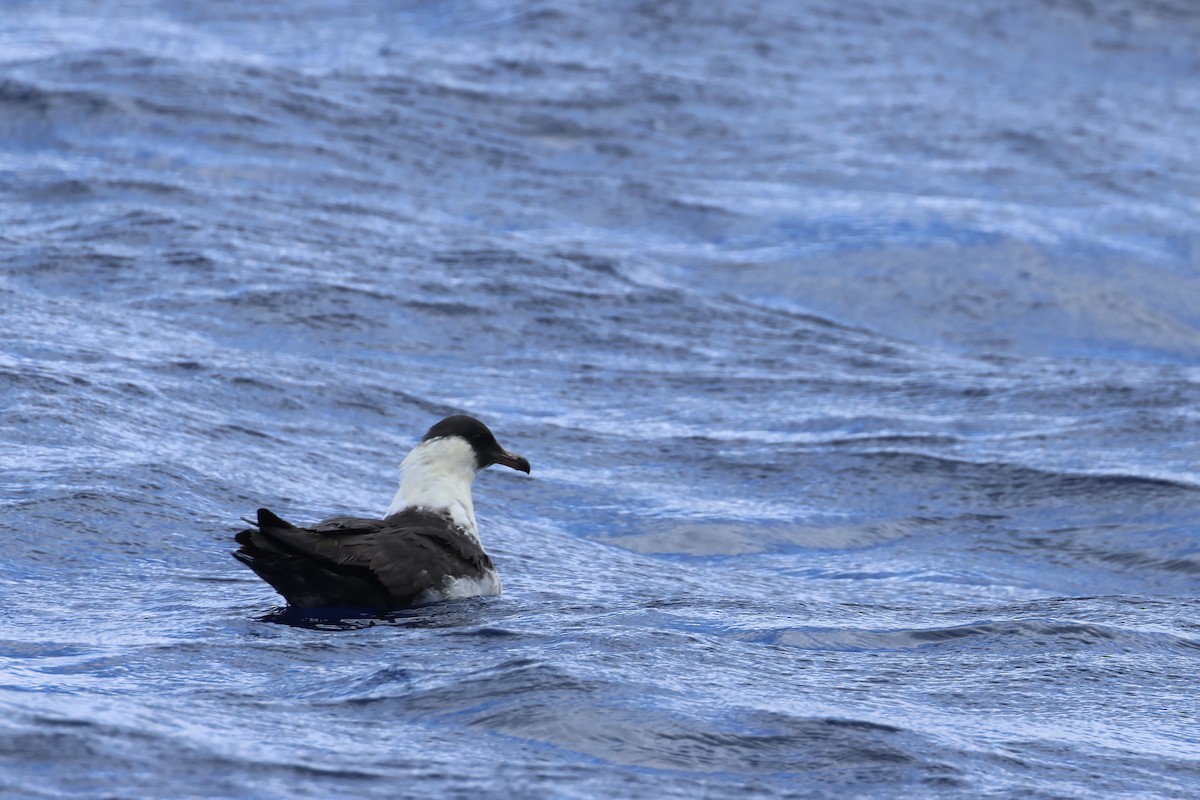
<point>437,476</point>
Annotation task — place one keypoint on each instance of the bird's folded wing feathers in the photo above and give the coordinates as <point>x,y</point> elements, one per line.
<point>383,547</point>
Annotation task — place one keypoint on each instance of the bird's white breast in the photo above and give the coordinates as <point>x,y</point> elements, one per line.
<point>458,588</point>
<point>485,586</point>
<point>437,476</point>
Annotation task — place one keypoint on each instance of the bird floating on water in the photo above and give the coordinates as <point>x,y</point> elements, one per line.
<point>425,549</point>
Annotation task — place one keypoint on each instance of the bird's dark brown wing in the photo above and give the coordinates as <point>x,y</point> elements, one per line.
<point>353,561</point>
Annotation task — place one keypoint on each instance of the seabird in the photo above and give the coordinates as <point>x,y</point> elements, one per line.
<point>426,548</point>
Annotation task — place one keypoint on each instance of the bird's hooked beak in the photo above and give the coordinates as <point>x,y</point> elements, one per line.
<point>511,460</point>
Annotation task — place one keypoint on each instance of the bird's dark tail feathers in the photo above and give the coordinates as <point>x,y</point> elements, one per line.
<point>305,582</point>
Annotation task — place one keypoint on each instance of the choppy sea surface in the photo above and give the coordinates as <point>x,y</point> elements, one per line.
<point>854,345</point>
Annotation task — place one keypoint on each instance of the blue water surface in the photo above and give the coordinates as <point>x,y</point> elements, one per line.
<point>855,347</point>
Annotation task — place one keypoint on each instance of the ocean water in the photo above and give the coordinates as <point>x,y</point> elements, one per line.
<point>855,347</point>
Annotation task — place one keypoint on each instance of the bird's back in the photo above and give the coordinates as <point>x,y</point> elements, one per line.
<point>407,558</point>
